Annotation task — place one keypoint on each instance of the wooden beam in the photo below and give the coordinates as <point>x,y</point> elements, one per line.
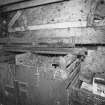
<point>27,4</point>
<point>42,50</point>
<point>6,2</point>
<point>90,19</point>
<point>13,20</point>
<point>64,25</point>
<point>51,26</point>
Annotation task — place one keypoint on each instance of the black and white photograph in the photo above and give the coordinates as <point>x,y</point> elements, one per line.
<point>52,52</point>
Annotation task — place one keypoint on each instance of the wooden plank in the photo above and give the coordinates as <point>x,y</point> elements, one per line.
<point>51,26</point>
<point>6,2</point>
<point>15,17</point>
<point>27,4</point>
<point>52,13</point>
<point>43,50</point>
<point>74,35</point>
<point>90,19</point>
<point>64,25</point>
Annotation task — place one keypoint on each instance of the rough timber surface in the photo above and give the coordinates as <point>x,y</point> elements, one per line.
<point>57,13</point>
<point>66,11</point>
<point>49,14</point>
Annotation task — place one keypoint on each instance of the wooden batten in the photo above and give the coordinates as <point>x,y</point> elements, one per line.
<point>50,26</point>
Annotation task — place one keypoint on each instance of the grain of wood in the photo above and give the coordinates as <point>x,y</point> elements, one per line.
<point>27,4</point>
<point>51,26</point>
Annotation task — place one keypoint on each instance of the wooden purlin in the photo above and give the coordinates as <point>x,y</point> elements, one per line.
<point>27,4</point>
